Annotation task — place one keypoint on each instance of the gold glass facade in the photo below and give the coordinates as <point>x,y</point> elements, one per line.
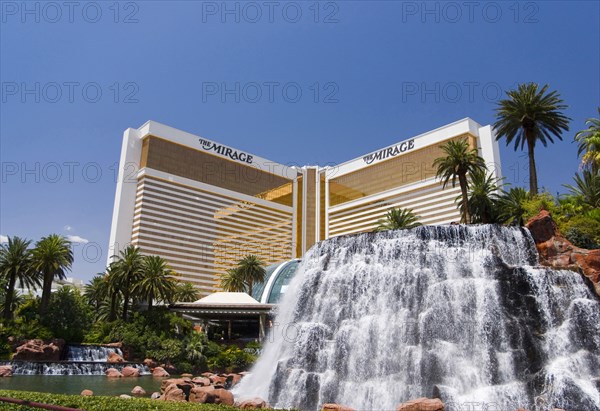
<point>203,206</point>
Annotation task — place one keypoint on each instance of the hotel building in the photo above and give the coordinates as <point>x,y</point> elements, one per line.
<point>203,205</point>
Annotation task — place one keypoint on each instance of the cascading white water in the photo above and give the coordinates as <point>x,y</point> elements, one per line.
<point>90,353</point>
<point>70,368</point>
<point>79,360</point>
<point>456,312</point>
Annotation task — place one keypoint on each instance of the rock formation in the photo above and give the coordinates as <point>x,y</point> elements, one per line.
<point>38,350</point>
<point>558,252</point>
<point>422,404</point>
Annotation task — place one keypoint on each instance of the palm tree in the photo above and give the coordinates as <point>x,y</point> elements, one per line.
<point>186,292</point>
<point>483,196</point>
<point>589,144</point>
<point>397,219</point>
<point>232,281</point>
<point>52,257</point>
<point>128,270</point>
<point>251,269</point>
<point>113,289</point>
<point>510,205</point>
<point>459,161</point>
<point>97,290</point>
<point>586,188</point>
<point>15,265</point>
<point>155,281</point>
<point>529,116</point>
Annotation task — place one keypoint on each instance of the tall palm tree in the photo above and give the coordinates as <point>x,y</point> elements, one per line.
<point>589,144</point>
<point>155,281</point>
<point>530,115</point>
<point>113,283</point>
<point>96,291</point>
<point>586,188</point>
<point>232,281</point>
<point>483,197</point>
<point>186,292</point>
<point>510,204</point>
<point>128,270</point>
<point>52,257</point>
<point>15,265</point>
<point>397,219</point>
<point>252,270</point>
<point>459,160</point>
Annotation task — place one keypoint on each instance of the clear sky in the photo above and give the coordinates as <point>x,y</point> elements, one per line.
<point>296,82</point>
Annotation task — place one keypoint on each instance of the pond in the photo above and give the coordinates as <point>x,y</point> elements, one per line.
<point>74,384</point>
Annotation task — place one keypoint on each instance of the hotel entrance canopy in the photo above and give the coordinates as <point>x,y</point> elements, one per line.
<point>226,306</point>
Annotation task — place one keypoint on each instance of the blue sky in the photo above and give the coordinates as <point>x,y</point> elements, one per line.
<point>345,78</point>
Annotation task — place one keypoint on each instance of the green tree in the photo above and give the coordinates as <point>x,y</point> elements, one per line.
<point>186,292</point>
<point>96,291</point>
<point>510,205</point>
<point>252,271</point>
<point>397,219</point>
<point>127,273</point>
<point>232,281</point>
<point>483,197</point>
<point>69,316</point>
<point>52,257</point>
<point>589,144</point>
<point>114,282</point>
<point>155,281</point>
<point>458,161</point>
<point>586,188</point>
<point>15,265</point>
<point>529,116</point>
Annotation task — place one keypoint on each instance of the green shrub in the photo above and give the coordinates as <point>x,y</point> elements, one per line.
<point>542,201</point>
<point>69,316</point>
<point>103,403</point>
<point>583,231</point>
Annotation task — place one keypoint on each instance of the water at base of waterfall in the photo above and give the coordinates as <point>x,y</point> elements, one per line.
<point>461,313</point>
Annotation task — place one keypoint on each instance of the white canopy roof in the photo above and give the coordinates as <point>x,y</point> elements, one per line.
<point>227,298</point>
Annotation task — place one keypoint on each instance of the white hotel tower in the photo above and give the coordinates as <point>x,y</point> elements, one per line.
<point>203,205</point>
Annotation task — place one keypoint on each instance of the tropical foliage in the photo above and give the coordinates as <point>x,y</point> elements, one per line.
<point>248,271</point>
<point>483,197</point>
<point>52,258</point>
<point>589,144</point>
<point>529,116</point>
<point>397,219</point>
<point>15,266</point>
<point>459,160</point>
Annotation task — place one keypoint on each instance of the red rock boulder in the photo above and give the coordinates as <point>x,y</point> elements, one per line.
<point>5,371</point>
<point>150,363</point>
<point>87,393</point>
<point>558,252</point>
<point>336,407</point>
<point>114,358</point>
<point>422,404</point>
<point>160,372</point>
<point>202,395</point>
<point>254,404</point>
<point>113,373</point>
<point>223,397</point>
<point>201,381</point>
<point>173,393</point>
<point>130,372</point>
<point>38,350</point>
<point>137,390</point>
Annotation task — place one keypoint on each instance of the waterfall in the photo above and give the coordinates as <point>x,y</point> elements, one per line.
<point>79,360</point>
<point>70,368</point>
<point>90,353</point>
<point>462,313</point>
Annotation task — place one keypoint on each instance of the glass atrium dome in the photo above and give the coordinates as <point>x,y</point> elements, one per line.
<point>277,278</point>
